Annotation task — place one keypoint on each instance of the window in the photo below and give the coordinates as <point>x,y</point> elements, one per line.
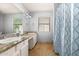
<point>44,24</point>
<point>17,25</point>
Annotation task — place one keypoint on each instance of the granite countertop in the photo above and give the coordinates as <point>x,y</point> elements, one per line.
<point>4,47</point>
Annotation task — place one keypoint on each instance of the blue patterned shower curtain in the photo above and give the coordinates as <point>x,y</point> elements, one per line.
<point>66,29</point>
<point>58,29</point>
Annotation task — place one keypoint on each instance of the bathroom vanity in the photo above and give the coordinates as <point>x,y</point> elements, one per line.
<point>19,46</point>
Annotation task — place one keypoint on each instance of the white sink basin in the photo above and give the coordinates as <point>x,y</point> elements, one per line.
<point>13,40</point>
<point>10,40</point>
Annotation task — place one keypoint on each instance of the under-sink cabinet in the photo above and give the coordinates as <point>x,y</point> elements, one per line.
<point>20,49</point>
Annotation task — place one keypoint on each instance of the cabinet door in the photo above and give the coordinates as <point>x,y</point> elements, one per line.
<point>20,45</point>
<point>26,42</point>
<point>24,50</point>
<point>35,39</point>
<point>9,52</point>
<point>17,53</point>
<point>31,43</point>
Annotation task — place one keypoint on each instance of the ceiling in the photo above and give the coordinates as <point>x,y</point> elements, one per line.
<point>8,8</point>
<point>18,8</point>
<point>37,7</point>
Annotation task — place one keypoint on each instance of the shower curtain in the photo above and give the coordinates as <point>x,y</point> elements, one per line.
<point>66,29</point>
